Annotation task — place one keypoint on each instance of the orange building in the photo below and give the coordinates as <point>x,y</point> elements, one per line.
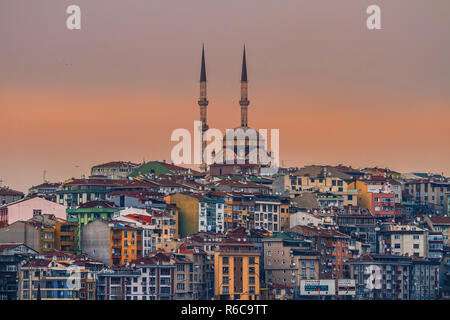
<point>124,244</point>
<point>285,215</point>
<point>236,272</point>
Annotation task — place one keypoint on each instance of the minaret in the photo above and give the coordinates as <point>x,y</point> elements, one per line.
<point>203,102</point>
<point>244,102</point>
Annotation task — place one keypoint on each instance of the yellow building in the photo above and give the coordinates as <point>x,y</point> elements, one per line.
<point>164,229</point>
<point>323,179</point>
<point>236,272</point>
<point>364,197</point>
<point>228,214</point>
<point>285,215</point>
<point>188,206</point>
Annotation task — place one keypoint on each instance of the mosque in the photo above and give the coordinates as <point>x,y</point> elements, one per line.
<point>243,148</point>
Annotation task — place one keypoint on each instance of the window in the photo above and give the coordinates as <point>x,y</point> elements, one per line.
<point>180,277</point>
<point>180,267</point>
<point>225,260</point>
<point>180,286</point>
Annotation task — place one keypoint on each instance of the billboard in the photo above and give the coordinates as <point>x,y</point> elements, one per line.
<point>317,287</point>
<point>346,287</point>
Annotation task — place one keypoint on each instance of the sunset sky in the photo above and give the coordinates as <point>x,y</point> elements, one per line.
<point>117,88</point>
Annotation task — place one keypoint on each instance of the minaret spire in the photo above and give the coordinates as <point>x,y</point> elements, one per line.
<point>203,102</point>
<point>244,102</point>
<point>203,68</point>
<point>244,68</point>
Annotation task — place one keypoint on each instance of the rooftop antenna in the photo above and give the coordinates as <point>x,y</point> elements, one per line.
<point>45,172</point>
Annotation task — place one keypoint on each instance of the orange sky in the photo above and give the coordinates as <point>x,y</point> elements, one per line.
<point>116,89</point>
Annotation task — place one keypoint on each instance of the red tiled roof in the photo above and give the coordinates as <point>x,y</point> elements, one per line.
<point>37,263</point>
<point>46,185</point>
<point>10,192</point>
<point>4,246</point>
<point>440,220</point>
<point>95,181</point>
<point>141,218</point>
<point>190,248</point>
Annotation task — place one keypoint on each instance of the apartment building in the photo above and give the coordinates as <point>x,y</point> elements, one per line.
<point>290,258</point>
<point>358,223</point>
<point>195,213</point>
<point>12,256</point>
<point>323,179</point>
<point>165,228</point>
<point>142,220</point>
<point>444,275</point>
<point>391,277</point>
<point>378,194</point>
<point>333,247</point>
<point>114,170</point>
<point>202,270</point>
<point>440,224</point>
<point>74,192</point>
<point>429,191</point>
<point>46,190</point>
<point>8,195</point>
<point>46,278</point>
<point>27,208</point>
<point>158,276</point>
<point>403,240</point>
<point>267,214</point>
<point>42,233</point>
<point>116,284</point>
<point>236,272</point>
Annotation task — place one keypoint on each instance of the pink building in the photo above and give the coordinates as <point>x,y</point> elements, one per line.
<point>27,208</point>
